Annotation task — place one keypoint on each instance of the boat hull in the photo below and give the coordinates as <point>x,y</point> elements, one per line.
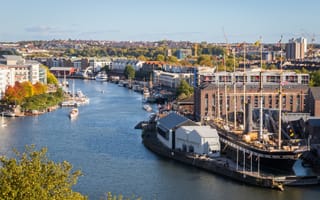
<point>271,164</point>
<point>245,154</point>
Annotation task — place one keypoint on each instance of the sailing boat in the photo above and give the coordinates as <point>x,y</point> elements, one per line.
<point>74,112</point>
<point>264,151</point>
<point>3,123</point>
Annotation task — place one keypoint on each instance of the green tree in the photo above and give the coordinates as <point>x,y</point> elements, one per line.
<point>28,88</point>
<point>272,66</point>
<point>205,60</point>
<point>172,59</point>
<point>184,90</point>
<point>129,72</point>
<point>185,63</point>
<point>51,78</point>
<point>142,58</point>
<point>31,175</point>
<point>39,88</point>
<point>315,79</point>
<point>160,57</point>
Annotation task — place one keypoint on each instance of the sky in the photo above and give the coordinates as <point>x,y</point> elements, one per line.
<point>153,20</point>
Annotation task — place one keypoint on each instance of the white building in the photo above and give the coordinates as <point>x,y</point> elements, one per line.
<point>197,139</point>
<point>167,126</point>
<point>296,48</point>
<point>171,80</point>
<point>98,63</point>
<point>15,68</point>
<point>6,78</point>
<point>120,64</point>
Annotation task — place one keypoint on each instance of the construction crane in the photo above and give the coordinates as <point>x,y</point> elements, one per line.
<point>227,43</point>
<point>310,52</point>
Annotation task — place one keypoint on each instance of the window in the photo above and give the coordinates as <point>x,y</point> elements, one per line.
<point>191,149</point>
<point>284,101</point>
<point>256,99</point>
<point>270,101</point>
<point>305,80</point>
<point>255,78</point>
<point>184,147</point>
<point>292,78</point>
<point>206,101</point>
<point>228,103</point>
<point>298,103</point>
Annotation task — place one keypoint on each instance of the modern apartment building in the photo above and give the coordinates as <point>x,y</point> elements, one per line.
<point>15,68</point>
<point>296,48</point>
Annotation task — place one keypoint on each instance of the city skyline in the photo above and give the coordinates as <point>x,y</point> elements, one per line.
<point>142,20</point>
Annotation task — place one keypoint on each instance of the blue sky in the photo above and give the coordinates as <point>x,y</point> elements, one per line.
<point>152,20</point>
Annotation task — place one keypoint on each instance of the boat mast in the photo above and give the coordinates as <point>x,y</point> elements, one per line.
<point>261,96</point>
<point>244,86</point>
<point>234,91</point>
<point>280,98</point>
<point>218,110</point>
<point>225,88</point>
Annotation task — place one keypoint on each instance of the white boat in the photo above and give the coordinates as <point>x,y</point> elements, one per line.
<point>74,113</point>
<point>147,107</point>
<point>9,114</point>
<point>101,76</point>
<point>3,123</point>
<point>81,98</point>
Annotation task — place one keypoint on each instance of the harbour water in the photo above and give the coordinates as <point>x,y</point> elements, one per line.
<point>103,143</point>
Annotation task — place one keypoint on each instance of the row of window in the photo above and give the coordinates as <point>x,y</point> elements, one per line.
<point>286,101</point>
<point>256,78</point>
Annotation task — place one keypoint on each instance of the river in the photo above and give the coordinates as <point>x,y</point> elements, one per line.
<point>104,145</point>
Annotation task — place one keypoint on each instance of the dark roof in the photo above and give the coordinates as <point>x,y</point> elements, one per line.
<point>315,92</point>
<point>172,120</point>
<point>314,122</point>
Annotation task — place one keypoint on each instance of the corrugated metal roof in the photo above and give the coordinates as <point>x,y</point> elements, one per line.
<point>172,120</point>
<point>203,131</point>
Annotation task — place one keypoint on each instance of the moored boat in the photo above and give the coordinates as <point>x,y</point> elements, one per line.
<point>258,154</point>
<point>101,76</point>
<point>147,107</point>
<point>73,113</point>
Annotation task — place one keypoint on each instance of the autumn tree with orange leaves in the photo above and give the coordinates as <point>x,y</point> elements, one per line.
<point>20,91</point>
